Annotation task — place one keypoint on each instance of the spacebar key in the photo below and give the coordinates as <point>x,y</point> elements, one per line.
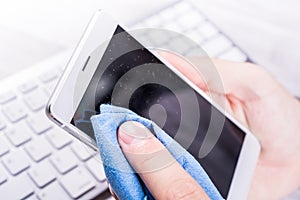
<point>18,188</point>
<point>77,182</point>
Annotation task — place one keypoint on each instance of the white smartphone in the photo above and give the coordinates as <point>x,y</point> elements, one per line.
<point>97,73</point>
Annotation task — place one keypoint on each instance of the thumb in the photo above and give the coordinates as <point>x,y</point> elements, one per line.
<point>160,172</point>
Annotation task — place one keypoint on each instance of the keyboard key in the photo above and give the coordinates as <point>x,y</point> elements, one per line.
<point>7,96</point>
<point>182,7</point>
<point>28,86</point>
<point>195,36</point>
<point>16,162</point>
<point>234,54</point>
<point>77,182</point>
<point>2,123</point>
<point>173,26</point>
<point>3,176</point>
<point>95,166</point>
<point>14,111</point>
<point>216,45</point>
<point>64,160</point>
<point>49,87</point>
<point>58,137</point>
<point>190,20</point>
<point>39,122</point>
<point>167,14</point>
<point>3,146</point>
<point>32,197</point>
<point>82,151</point>
<point>53,191</point>
<point>19,133</point>
<point>18,188</point>
<point>36,100</point>
<point>38,149</point>
<point>207,30</point>
<point>49,76</point>
<point>42,174</point>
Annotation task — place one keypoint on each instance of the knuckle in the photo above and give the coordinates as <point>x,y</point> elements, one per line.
<point>183,189</point>
<point>153,161</point>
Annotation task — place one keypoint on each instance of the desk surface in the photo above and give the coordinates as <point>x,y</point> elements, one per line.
<point>267,30</point>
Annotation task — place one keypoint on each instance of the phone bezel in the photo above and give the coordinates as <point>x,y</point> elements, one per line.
<point>61,110</point>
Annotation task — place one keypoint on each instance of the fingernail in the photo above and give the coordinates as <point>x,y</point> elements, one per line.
<point>133,132</point>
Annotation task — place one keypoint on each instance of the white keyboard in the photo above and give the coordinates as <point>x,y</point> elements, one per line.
<point>40,160</point>
<point>184,18</point>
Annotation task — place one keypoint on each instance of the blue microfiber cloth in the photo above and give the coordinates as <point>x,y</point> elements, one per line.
<point>121,176</point>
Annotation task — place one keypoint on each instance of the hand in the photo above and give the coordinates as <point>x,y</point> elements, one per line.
<point>269,111</point>
<point>143,150</point>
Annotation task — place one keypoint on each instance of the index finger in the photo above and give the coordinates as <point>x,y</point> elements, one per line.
<point>186,68</point>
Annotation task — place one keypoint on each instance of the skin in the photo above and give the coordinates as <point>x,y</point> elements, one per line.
<point>256,100</point>
<point>144,151</point>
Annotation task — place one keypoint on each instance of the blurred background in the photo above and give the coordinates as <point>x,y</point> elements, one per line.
<point>268,31</point>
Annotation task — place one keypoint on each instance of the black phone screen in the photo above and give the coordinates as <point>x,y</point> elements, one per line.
<point>137,80</point>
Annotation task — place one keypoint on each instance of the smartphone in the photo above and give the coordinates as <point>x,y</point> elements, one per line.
<point>97,73</point>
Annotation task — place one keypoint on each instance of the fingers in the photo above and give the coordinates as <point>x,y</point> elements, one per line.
<point>202,73</point>
<point>215,76</point>
<point>186,68</point>
<point>246,81</point>
<point>226,83</point>
<point>163,176</point>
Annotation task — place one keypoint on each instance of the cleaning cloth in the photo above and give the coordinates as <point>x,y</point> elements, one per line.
<point>121,176</point>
